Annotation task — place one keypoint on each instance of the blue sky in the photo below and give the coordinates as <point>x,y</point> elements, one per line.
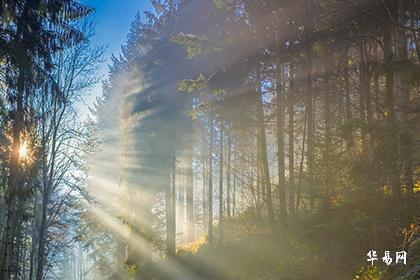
<point>113,18</point>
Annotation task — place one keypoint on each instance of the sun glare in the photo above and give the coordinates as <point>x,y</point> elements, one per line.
<point>23,151</point>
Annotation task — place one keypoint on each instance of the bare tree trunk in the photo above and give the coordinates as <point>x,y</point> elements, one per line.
<point>221,162</point>
<point>190,194</point>
<point>170,201</point>
<point>263,152</point>
<point>234,187</point>
<point>280,149</point>
<point>325,206</point>
<point>42,236</point>
<point>363,88</point>
<point>228,186</point>
<point>291,111</point>
<point>301,165</point>
<point>390,99</point>
<point>309,102</point>
<point>210,181</point>
<point>204,171</point>
<point>347,98</point>
<point>35,241</point>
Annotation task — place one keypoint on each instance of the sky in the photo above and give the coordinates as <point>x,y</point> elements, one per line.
<point>113,18</point>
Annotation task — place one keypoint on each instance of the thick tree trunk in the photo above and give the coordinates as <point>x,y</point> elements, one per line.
<point>14,182</point>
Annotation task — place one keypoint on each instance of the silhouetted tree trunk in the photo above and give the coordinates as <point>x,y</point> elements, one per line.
<point>263,151</point>
<point>228,171</point>
<point>170,202</point>
<point>347,100</point>
<point>309,101</point>
<point>221,162</point>
<point>291,111</point>
<point>14,182</point>
<point>280,148</point>
<point>210,181</point>
<point>190,193</point>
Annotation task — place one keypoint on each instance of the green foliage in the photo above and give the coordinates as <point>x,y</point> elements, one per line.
<point>193,85</point>
<point>132,270</point>
<point>192,42</point>
<point>370,273</point>
<point>220,4</point>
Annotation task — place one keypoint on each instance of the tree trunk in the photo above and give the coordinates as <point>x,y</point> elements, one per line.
<point>221,162</point>
<point>301,165</point>
<point>204,173</point>
<point>347,101</point>
<point>14,182</point>
<point>291,111</point>
<point>170,202</point>
<point>309,101</point>
<point>263,152</point>
<point>190,194</point>
<point>403,96</point>
<point>210,181</point>
<point>228,186</point>
<point>280,149</point>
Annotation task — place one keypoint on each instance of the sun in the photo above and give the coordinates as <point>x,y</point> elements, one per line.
<point>23,151</point>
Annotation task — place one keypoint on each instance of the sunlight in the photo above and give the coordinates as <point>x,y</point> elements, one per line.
<point>23,151</point>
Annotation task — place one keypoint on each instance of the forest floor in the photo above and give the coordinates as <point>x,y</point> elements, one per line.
<point>296,253</point>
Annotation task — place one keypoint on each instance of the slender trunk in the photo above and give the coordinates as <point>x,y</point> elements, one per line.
<point>263,152</point>
<point>180,203</point>
<point>389,73</point>
<point>390,102</point>
<point>280,150</point>
<point>221,162</point>
<point>363,89</point>
<point>210,194</point>
<point>309,102</point>
<point>301,165</point>
<point>234,188</point>
<point>204,190</point>
<point>170,202</point>
<point>47,182</point>
<point>376,84</point>
<point>34,237</point>
<point>228,186</point>
<point>190,194</point>
<point>291,111</point>
<point>42,236</point>
<point>347,101</point>
<point>327,151</point>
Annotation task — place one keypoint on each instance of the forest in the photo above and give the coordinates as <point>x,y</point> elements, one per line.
<point>232,139</point>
